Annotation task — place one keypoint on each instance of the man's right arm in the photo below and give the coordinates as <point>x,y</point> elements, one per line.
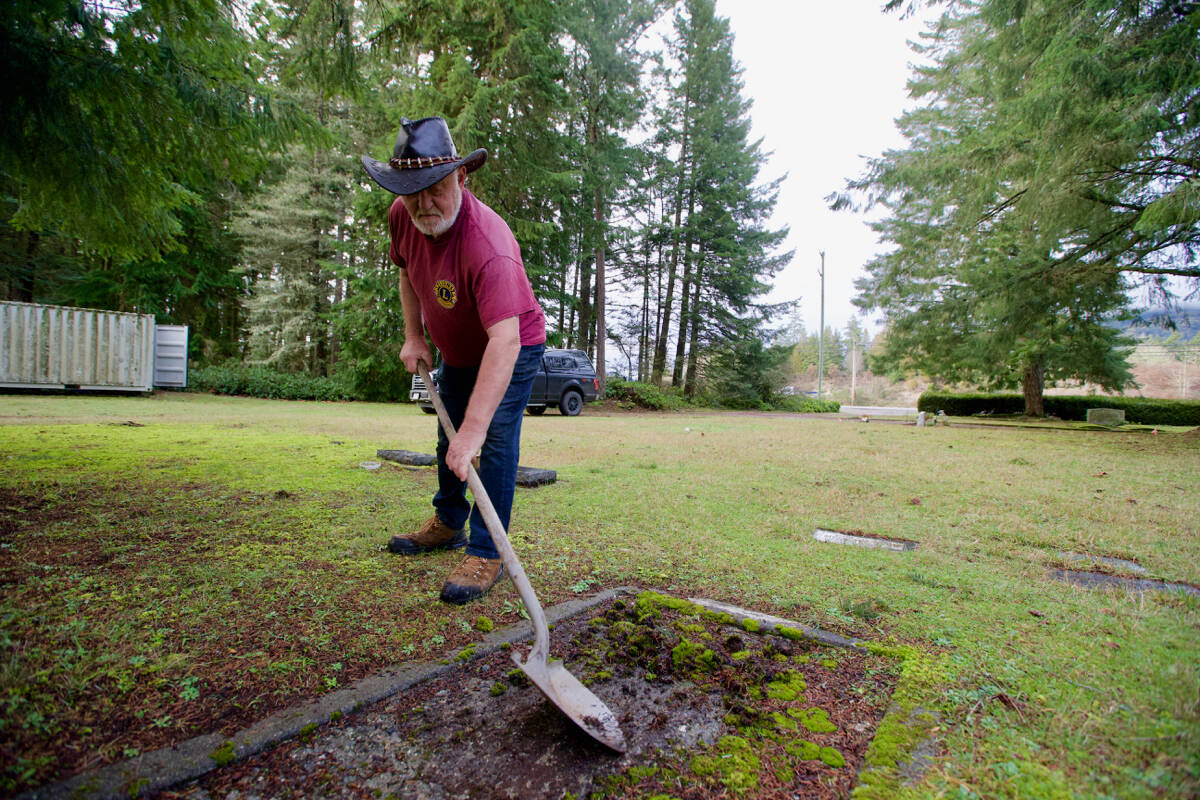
<point>414,348</point>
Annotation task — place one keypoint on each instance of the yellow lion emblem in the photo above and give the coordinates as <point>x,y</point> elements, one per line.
<point>444,292</point>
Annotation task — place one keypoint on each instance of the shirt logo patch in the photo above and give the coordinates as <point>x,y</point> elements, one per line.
<point>446,296</point>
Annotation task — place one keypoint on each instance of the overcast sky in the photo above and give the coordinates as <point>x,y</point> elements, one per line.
<point>827,81</point>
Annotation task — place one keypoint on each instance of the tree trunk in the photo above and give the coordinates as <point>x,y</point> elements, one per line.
<point>1033,384</point>
<point>601,370</point>
<point>691,385</point>
<point>660,348</point>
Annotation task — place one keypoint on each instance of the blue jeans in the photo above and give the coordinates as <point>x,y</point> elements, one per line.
<point>500,453</point>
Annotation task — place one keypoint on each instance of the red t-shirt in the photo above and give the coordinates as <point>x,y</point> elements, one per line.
<point>467,280</point>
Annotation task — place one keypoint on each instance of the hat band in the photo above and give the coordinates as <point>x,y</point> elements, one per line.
<point>420,163</point>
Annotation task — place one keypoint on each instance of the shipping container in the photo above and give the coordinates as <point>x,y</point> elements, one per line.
<point>59,347</point>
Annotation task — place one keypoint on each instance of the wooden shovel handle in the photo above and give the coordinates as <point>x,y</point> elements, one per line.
<point>541,633</point>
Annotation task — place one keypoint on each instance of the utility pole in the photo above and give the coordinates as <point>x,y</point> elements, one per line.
<point>853,367</point>
<point>821,331</point>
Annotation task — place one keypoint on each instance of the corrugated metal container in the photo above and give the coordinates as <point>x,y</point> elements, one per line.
<point>75,348</point>
<point>170,355</point>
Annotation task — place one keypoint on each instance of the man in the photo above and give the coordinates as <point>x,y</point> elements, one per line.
<point>462,279</point>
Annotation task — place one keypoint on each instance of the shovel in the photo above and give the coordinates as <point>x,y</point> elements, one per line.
<point>564,689</point>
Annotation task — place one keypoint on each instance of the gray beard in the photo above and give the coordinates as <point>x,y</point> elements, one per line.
<point>438,228</point>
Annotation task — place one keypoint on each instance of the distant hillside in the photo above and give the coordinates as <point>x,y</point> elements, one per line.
<point>1153,323</point>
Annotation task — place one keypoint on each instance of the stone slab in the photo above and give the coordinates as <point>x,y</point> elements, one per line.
<point>838,537</point>
<point>407,457</point>
<point>529,477</point>
<point>1119,563</point>
<point>1092,580</point>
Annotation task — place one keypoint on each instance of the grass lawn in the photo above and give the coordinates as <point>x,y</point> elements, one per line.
<point>222,558</point>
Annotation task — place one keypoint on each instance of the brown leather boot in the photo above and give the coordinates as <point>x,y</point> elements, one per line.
<point>433,535</point>
<point>471,579</point>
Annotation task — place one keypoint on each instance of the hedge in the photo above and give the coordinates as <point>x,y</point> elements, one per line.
<point>264,382</point>
<point>1141,410</point>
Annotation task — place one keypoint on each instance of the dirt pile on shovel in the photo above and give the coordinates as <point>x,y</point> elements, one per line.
<point>709,709</point>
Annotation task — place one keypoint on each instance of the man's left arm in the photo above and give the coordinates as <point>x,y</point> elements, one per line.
<point>495,375</point>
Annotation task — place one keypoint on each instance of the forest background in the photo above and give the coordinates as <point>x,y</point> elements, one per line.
<point>199,160</point>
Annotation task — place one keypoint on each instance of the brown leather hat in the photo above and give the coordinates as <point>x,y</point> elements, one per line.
<point>424,154</point>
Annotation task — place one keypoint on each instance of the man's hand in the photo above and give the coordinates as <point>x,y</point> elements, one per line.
<point>462,449</point>
<point>414,350</point>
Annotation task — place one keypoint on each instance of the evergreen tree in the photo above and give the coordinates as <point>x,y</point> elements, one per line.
<point>113,116</point>
<point>721,253</point>
<point>999,203</point>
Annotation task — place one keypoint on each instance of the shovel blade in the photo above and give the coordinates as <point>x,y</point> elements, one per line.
<point>575,700</point>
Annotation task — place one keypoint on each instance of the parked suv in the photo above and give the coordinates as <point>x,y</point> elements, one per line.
<point>566,379</point>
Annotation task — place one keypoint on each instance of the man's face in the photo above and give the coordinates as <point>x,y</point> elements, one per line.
<point>434,210</point>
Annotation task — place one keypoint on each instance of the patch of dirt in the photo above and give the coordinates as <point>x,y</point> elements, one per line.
<point>708,709</point>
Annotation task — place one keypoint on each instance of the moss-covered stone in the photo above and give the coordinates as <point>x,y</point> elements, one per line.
<point>224,755</point>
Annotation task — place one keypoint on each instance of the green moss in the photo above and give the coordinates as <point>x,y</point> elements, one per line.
<point>787,686</point>
<point>703,765</point>
<point>750,625</point>
<point>815,719</point>
<point>784,773</point>
<point>688,656</point>
<point>484,625</point>
<point>784,723</point>
<point>788,632</point>
<point>829,663</point>
<point>506,646</point>
<point>466,653</point>
<point>334,716</point>
<point>648,605</point>
<point>738,764</point>
<point>307,732</point>
<point>499,688</point>
<point>741,655</point>
<point>803,750</point>
<point>223,756</point>
<point>832,757</point>
<point>641,773</point>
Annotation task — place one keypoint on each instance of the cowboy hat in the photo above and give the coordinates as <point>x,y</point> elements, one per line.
<point>424,154</point>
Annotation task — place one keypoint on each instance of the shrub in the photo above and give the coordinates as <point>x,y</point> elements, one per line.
<point>257,381</point>
<point>1142,410</point>
<point>642,395</point>
<point>807,405</point>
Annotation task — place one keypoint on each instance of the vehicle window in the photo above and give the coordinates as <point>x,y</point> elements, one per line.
<point>558,362</point>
